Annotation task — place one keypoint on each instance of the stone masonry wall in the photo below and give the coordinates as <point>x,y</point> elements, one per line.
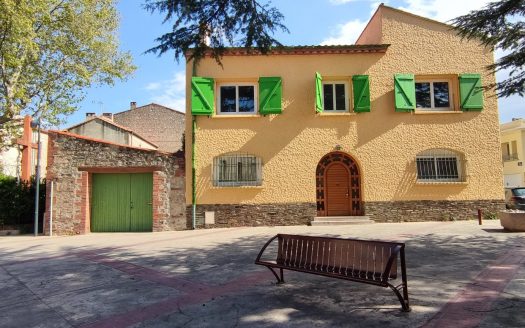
<point>231,215</point>
<point>73,159</point>
<point>248,215</point>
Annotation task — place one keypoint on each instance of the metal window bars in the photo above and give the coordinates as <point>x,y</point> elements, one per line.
<point>233,170</point>
<point>440,165</point>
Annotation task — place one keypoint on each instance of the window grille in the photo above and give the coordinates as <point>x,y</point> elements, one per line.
<point>440,165</point>
<point>235,170</point>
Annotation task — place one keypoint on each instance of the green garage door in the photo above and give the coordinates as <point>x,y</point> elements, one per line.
<point>121,202</point>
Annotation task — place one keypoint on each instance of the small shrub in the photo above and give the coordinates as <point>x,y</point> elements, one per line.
<point>490,216</point>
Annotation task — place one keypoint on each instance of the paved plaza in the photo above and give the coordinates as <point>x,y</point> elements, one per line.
<point>460,274</point>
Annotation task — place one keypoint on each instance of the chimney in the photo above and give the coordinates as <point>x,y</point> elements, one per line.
<point>133,105</point>
<point>108,115</point>
<point>90,115</point>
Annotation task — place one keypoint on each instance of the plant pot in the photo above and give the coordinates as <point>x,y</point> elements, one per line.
<point>512,221</point>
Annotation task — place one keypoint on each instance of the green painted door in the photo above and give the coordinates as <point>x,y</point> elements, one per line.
<point>121,202</point>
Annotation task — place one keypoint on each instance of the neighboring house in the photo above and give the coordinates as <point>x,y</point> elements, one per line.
<point>513,152</point>
<point>396,127</point>
<point>159,124</point>
<point>104,128</point>
<point>20,159</point>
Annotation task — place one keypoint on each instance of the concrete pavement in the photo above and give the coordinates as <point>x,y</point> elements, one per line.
<point>460,274</point>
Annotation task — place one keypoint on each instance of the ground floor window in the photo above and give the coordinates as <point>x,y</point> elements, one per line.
<point>439,165</point>
<point>234,170</point>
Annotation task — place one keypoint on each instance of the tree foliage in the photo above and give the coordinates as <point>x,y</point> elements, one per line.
<point>500,25</point>
<point>51,50</point>
<point>211,25</point>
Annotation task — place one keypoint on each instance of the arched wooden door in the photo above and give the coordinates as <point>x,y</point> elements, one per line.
<point>338,186</point>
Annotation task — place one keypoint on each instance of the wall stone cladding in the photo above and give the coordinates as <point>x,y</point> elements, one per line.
<point>428,210</point>
<point>249,215</point>
<point>73,160</point>
<point>161,125</point>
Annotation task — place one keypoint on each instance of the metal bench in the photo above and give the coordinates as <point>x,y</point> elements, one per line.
<point>367,261</point>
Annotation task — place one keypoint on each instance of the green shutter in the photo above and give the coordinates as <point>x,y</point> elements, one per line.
<point>202,96</point>
<point>319,106</point>
<point>471,92</point>
<point>270,93</point>
<point>361,87</point>
<point>405,92</point>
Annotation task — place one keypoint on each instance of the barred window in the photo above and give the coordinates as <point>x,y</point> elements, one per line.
<point>235,170</point>
<point>439,165</point>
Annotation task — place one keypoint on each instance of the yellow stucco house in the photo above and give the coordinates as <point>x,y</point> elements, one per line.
<point>513,152</point>
<point>395,128</point>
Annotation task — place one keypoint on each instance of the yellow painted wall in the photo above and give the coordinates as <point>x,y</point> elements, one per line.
<point>383,142</point>
<point>514,131</point>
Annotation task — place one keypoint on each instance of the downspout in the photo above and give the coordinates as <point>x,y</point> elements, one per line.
<point>193,160</point>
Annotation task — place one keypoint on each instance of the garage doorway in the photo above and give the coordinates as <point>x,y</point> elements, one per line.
<point>121,202</point>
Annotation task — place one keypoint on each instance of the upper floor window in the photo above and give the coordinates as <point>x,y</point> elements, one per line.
<point>233,170</point>
<point>335,96</point>
<point>439,165</point>
<point>433,95</point>
<point>237,98</point>
<point>509,151</point>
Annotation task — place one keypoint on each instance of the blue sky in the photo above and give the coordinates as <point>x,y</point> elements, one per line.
<point>311,22</point>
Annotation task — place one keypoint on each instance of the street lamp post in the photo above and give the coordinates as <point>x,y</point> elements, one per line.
<point>37,178</point>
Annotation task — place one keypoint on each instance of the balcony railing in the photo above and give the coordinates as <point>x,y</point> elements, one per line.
<point>509,157</point>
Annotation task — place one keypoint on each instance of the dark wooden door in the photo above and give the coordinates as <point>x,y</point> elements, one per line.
<point>337,190</point>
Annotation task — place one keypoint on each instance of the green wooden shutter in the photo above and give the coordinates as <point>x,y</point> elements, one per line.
<point>471,92</point>
<point>319,105</point>
<point>202,95</point>
<point>361,87</point>
<point>270,94</point>
<point>405,92</point>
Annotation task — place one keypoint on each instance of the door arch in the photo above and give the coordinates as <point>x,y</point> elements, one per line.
<point>338,186</point>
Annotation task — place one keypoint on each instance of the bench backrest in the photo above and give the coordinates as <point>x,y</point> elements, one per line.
<point>363,259</point>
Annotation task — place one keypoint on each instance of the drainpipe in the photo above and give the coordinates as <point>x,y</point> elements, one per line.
<point>193,160</point>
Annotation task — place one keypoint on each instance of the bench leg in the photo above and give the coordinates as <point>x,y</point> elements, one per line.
<point>279,278</point>
<point>403,299</point>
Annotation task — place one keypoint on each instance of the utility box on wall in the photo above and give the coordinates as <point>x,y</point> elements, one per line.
<point>209,217</point>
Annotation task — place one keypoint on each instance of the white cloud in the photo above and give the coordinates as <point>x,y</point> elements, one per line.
<point>347,33</point>
<point>340,2</point>
<point>442,10</point>
<point>170,93</point>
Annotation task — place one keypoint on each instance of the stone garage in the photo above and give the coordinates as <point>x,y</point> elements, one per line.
<point>99,186</point>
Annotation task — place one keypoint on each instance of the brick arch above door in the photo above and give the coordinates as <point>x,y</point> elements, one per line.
<point>354,183</point>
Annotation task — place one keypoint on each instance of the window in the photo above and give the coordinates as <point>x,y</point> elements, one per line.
<point>433,95</point>
<point>237,98</point>
<point>235,170</point>
<point>439,165</point>
<point>335,96</point>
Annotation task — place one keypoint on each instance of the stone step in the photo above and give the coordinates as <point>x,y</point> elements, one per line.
<point>340,220</point>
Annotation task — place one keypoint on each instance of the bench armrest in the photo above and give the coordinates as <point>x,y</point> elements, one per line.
<point>258,259</point>
<point>391,259</point>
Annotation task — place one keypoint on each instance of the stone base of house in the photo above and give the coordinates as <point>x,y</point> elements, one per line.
<point>430,210</point>
<point>249,215</point>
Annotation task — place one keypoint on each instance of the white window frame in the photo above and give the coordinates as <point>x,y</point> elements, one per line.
<point>434,154</point>
<point>237,183</point>
<point>347,96</point>
<point>432,105</point>
<point>237,85</point>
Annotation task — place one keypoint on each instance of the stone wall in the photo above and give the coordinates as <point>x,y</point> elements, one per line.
<point>248,215</point>
<point>161,125</point>
<point>427,210</point>
<point>231,215</point>
<point>73,159</point>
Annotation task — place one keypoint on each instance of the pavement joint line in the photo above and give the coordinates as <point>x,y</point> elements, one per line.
<point>469,307</point>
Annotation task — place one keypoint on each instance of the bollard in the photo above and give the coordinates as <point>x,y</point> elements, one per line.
<point>479,217</point>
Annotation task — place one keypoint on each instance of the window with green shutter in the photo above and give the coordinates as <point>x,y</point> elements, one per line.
<point>270,94</point>
<point>471,92</point>
<point>361,88</point>
<point>319,106</point>
<point>202,95</point>
<point>405,93</point>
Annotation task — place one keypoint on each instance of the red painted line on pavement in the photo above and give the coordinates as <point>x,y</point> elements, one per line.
<point>469,307</point>
<point>171,305</point>
<point>145,273</point>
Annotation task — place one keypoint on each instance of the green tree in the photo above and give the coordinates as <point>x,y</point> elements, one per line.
<point>211,25</point>
<point>51,50</point>
<point>500,25</point>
